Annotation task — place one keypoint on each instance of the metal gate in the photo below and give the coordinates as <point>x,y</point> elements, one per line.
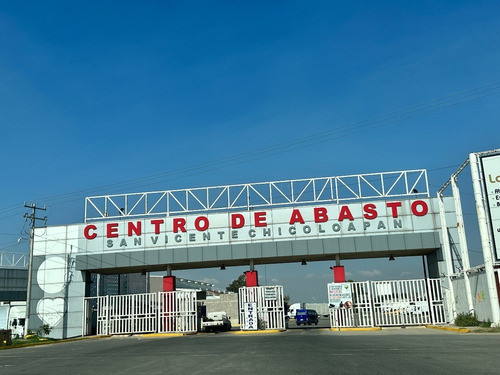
<point>141,313</point>
<point>408,302</point>
<point>270,307</point>
<point>177,312</point>
<point>392,303</point>
<point>360,314</point>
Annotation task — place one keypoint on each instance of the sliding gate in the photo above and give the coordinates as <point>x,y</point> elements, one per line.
<point>391,303</point>
<point>261,307</point>
<point>163,312</point>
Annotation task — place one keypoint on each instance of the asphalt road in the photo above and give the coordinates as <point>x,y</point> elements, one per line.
<point>296,351</point>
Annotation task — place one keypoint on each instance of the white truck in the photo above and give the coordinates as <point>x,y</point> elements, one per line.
<point>13,317</point>
<point>293,309</point>
<point>216,321</point>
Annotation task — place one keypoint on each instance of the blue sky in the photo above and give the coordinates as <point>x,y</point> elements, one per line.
<point>96,94</point>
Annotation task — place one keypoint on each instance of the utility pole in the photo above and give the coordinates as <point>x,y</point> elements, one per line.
<point>33,218</point>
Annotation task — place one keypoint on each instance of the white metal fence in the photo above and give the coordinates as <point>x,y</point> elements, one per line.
<point>177,312</point>
<point>164,312</point>
<point>392,303</point>
<point>270,307</point>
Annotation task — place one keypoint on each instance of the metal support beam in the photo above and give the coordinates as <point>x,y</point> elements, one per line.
<point>447,255</point>
<point>462,241</point>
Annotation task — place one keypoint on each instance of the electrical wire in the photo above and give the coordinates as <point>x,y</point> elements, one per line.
<point>283,147</point>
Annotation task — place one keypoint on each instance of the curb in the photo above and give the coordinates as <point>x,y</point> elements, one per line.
<point>151,335</point>
<point>449,329</point>
<point>356,329</point>
<point>257,332</point>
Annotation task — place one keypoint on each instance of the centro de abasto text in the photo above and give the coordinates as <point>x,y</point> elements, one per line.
<point>282,223</point>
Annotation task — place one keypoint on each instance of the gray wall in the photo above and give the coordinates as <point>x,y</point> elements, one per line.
<point>227,303</point>
<point>480,295</point>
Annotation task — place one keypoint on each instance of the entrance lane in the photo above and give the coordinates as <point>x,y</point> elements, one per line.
<point>390,351</point>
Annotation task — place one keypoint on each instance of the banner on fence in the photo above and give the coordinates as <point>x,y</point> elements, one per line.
<point>339,295</point>
<point>251,316</point>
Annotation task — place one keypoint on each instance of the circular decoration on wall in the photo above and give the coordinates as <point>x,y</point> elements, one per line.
<point>51,275</point>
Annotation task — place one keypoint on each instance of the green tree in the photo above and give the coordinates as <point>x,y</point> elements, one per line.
<point>236,284</point>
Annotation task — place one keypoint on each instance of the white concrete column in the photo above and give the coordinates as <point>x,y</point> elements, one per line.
<point>486,243</point>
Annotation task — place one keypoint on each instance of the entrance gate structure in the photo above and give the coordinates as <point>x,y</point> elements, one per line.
<point>392,303</point>
<point>162,312</point>
<point>269,304</point>
<point>317,219</point>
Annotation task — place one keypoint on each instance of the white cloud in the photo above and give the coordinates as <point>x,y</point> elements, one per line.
<point>367,273</point>
<point>209,280</point>
<point>312,276</point>
<point>275,280</point>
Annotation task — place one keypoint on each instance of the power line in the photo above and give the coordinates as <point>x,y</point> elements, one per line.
<point>288,146</point>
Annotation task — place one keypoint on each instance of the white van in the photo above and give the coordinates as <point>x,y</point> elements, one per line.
<point>13,317</point>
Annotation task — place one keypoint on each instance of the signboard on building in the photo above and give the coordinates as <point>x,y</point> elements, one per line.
<point>276,224</point>
<point>491,173</point>
<point>270,293</point>
<point>250,316</point>
<point>339,295</point>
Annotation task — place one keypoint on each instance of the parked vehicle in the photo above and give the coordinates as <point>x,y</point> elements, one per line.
<point>306,316</point>
<point>13,317</point>
<point>293,309</point>
<point>216,321</point>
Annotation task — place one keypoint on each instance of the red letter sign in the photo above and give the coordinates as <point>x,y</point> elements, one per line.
<point>198,223</point>
<point>296,217</point>
<point>345,213</point>
<point>86,232</point>
<point>237,221</point>
<point>260,219</point>
<point>394,206</point>
<point>179,223</point>
<point>112,230</point>
<point>423,208</point>
<point>157,223</point>
<point>320,215</point>
<point>134,229</point>
<point>370,211</point>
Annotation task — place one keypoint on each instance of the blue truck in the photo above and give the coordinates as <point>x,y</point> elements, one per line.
<point>306,316</point>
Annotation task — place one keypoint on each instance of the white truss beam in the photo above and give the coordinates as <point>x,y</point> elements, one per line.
<point>260,195</point>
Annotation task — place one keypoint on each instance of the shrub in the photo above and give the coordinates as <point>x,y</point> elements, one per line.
<point>466,320</point>
<point>43,330</point>
<point>486,324</point>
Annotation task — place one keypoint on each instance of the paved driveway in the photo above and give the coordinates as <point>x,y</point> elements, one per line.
<point>299,351</point>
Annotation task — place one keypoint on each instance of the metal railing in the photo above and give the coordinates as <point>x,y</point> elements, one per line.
<point>141,313</point>
<point>257,195</point>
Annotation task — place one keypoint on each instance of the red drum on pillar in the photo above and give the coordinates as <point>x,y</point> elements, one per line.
<point>169,283</point>
<point>251,278</point>
<point>339,274</point>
